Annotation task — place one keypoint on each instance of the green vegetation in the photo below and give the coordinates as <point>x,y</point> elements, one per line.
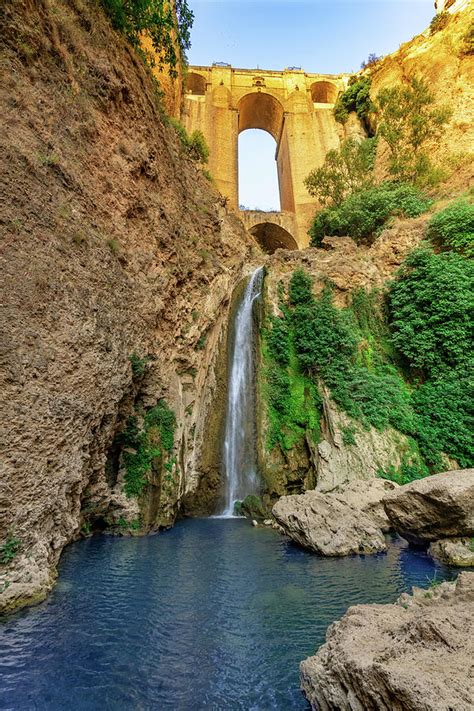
<point>408,367</point>
<point>407,472</point>
<point>355,98</point>
<point>345,171</point>
<point>170,36</point>
<point>201,342</point>
<point>407,121</point>
<point>195,144</point>
<point>363,214</point>
<point>9,549</point>
<point>453,228</point>
<point>293,399</point>
<point>439,22</point>
<point>251,507</point>
<point>147,446</point>
<point>348,436</point>
<point>113,245</point>
<point>352,205</point>
<point>431,306</point>
<point>138,364</point>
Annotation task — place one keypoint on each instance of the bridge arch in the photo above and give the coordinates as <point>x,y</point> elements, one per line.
<point>260,110</point>
<point>271,237</point>
<point>195,84</point>
<point>323,92</point>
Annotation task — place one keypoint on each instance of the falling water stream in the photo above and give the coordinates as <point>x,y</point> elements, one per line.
<point>240,441</point>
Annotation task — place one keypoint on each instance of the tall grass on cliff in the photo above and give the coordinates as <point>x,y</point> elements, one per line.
<point>168,28</point>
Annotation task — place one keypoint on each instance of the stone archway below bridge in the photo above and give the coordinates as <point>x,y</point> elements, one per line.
<point>271,237</point>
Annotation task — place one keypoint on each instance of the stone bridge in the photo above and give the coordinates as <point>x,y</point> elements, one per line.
<point>293,106</point>
<point>272,230</point>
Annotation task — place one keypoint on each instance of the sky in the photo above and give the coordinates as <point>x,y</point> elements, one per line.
<point>320,36</point>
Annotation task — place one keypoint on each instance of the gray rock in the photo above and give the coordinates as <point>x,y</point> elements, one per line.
<point>414,655</point>
<point>327,524</point>
<point>454,551</point>
<point>439,506</point>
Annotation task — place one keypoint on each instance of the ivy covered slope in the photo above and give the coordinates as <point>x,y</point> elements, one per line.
<point>393,360</point>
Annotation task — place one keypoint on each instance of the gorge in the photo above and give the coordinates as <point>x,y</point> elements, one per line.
<point>175,369</point>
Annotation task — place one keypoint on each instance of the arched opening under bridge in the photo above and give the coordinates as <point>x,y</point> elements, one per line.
<point>271,237</point>
<point>195,84</point>
<point>323,92</point>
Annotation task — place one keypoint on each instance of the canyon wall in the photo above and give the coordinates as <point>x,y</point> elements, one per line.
<point>118,263</point>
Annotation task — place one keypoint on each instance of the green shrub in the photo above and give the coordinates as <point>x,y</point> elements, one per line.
<point>194,144</point>
<point>453,228</point>
<point>170,37</point>
<point>431,304</point>
<point>445,418</point>
<point>147,446</point>
<point>138,364</point>
<point>407,472</point>
<point>432,311</point>
<point>9,549</point>
<point>348,438</point>
<point>344,171</point>
<point>355,98</point>
<point>294,403</point>
<point>408,121</point>
<point>363,214</point>
<point>439,22</point>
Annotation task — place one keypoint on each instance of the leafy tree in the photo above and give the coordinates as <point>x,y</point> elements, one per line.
<point>439,22</point>
<point>355,98</point>
<point>363,214</point>
<point>344,171</point>
<point>194,143</point>
<point>407,122</point>
<point>453,228</point>
<point>170,35</point>
<point>370,61</point>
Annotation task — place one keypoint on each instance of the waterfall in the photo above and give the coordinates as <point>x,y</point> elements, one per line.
<point>240,442</point>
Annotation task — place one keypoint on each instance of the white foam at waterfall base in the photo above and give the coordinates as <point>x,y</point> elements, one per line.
<point>240,450</point>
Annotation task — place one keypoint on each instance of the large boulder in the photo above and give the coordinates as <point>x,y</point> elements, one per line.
<point>414,655</point>
<point>368,496</point>
<point>439,506</point>
<point>331,525</point>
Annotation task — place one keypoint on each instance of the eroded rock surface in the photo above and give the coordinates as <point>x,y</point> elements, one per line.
<point>454,551</point>
<point>414,655</point>
<point>116,252</point>
<point>339,523</point>
<point>439,506</point>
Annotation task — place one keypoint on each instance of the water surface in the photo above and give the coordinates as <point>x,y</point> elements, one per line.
<point>213,614</point>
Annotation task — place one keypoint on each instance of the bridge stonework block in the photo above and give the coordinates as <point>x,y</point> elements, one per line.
<point>294,107</point>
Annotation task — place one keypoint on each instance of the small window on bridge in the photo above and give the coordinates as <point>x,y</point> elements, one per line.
<point>258,178</point>
<point>195,84</point>
<point>323,92</point>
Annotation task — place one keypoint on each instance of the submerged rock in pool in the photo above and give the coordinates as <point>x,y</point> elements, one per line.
<point>415,654</point>
<point>336,524</point>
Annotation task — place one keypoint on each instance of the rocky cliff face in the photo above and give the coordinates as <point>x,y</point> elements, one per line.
<point>444,61</point>
<point>118,263</point>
